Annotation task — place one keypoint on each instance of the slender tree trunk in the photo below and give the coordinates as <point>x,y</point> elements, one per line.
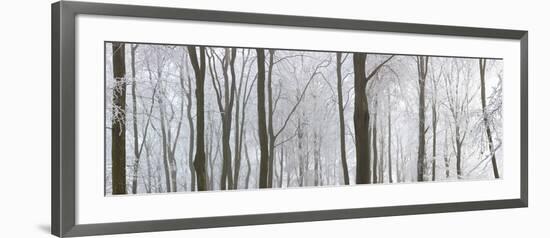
<point>301,153</point>
<point>118,128</point>
<point>361,120</point>
<point>422,65</point>
<point>446,158</point>
<point>200,157</point>
<point>248,166</point>
<point>135,167</point>
<point>226,108</point>
<point>341,118</point>
<point>375,166</point>
<point>191,135</point>
<point>281,166</point>
<point>398,162</point>
<point>262,130</point>
<point>458,152</point>
<point>316,158</point>
<point>381,162</point>
<point>434,140</point>
<point>165,146</point>
<point>389,140</point>
<point>270,129</point>
<point>482,66</point>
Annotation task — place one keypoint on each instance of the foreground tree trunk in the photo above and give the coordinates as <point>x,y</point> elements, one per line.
<point>270,128</point>
<point>137,153</point>
<point>341,118</point>
<point>361,120</point>
<point>262,130</point>
<point>200,157</point>
<point>361,116</point>
<point>118,128</point>
<point>422,66</point>
<point>482,66</point>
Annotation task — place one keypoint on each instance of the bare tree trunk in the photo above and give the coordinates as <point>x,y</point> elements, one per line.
<point>301,159</point>
<point>422,66</point>
<point>434,140</point>
<point>381,162</point>
<point>281,166</point>
<point>389,140</point>
<point>262,130</point>
<point>191,135</point>
<point>240,121</point>
<point>200,157</point>
<point>446,158</point>
<point>248,167</point>
<point>375,166</point>
<point>361,116</point>
<point>118,129</point>
<point>135,167</point>
<point>165,149</point>
<point>316,156</point>
<point>138,148</point>
<point>482,66</point>
<point>225,99</point>
<point>398,162</point>
<point>458,152</point>
<point>361,120</point>
<point>341,118</point>
<point>270,129</point>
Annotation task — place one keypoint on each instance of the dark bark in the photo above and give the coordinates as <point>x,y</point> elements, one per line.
<point>341,117</point>
<point>118,128</point>
<point>361,116</point>
<point>482,66</point>
<point>262,130</point>
<point>226,108</point>
<point>361,120</point>
<point>422,66</point>
<point>270,129</point>
<point>200,157</point>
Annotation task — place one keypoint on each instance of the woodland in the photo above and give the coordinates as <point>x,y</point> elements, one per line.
<point>184,118</point>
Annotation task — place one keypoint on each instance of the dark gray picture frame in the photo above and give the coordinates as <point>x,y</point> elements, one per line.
<point>64,120</point>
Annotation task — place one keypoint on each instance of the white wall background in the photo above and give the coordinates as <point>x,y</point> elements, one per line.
<point>25,117</point>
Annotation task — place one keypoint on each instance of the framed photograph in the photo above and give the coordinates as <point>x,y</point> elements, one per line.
<point>168,119</point>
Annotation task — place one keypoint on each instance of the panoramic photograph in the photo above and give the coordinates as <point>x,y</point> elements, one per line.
<point>185,118</point>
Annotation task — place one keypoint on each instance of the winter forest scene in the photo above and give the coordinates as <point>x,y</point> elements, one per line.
<point>183,118</point>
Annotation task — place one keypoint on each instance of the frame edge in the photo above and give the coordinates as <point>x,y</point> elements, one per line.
<point>55,120</point>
